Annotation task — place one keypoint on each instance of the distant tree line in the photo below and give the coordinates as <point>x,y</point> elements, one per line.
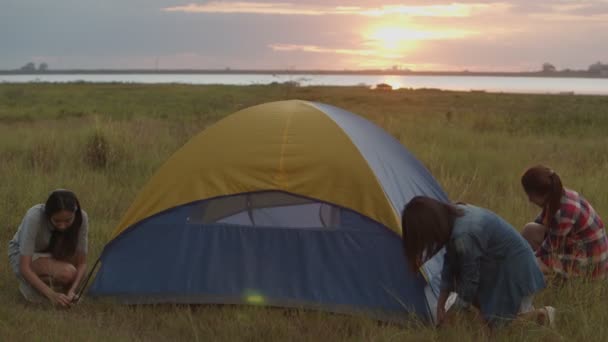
<point>32,67</point>
<point>597,68</point>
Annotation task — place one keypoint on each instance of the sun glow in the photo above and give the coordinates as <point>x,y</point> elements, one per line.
<point>394,81</point>
<point>402,38</point>
<point>398,40</point>
<point>393,38</point>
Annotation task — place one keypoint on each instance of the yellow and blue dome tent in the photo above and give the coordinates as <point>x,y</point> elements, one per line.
<point>290,203</point>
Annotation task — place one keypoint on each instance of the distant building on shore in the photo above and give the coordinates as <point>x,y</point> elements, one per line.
<point>383,86</point>
<point>598,68</point>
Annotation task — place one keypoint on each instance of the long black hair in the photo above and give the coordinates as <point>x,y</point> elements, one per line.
<point>63,243</point>
<point>427,226</point>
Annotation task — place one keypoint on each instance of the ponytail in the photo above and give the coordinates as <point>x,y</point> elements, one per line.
<point>555,195</point>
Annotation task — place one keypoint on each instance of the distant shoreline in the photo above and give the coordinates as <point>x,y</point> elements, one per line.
<point>576,74</point>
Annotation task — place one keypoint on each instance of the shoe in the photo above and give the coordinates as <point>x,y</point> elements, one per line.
<point>550,315</point>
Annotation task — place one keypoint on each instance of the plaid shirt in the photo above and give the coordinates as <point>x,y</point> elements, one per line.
<point>576,239</point>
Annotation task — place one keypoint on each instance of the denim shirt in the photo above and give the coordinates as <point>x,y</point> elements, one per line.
<point>488,262</point>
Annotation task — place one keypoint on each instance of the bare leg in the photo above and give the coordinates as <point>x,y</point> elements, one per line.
<point>534,233</point>
<point>54,272</point>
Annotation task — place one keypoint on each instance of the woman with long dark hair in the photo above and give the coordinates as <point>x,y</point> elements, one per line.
<point>48,252</point>
<point>487,262</point>
<point>568,236</point>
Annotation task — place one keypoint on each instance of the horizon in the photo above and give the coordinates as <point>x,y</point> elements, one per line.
<point>595,69</point>
<point>35,69</point>
<point>420,36</point>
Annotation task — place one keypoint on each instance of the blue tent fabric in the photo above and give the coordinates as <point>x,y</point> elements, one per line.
<point>345,269</point>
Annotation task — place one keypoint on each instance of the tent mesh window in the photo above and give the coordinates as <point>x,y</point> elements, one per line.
<point>267,209</point>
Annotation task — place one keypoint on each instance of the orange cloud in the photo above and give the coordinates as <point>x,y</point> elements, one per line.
<point>448,10</point>
<point>575,12</point>
<point>319,49</point>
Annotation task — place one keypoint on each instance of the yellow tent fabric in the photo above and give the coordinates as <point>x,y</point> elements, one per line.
<point>267,147</point>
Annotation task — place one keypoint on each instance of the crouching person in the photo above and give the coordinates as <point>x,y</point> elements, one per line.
<point>48,252</point>
<point>568,236</point>
<point>487,262</point>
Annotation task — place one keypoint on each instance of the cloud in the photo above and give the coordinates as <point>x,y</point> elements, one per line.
<point>326,50</point>
<point>590,9</point>
<point>286,8</point>
<point>582,9</point>
<point>563,10</point>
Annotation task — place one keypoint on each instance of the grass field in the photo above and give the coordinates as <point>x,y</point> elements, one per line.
<point>104,141</point>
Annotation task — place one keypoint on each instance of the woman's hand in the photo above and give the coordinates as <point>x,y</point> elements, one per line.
<point>60,299</point>
<point>72,296</point>
<point>440,315</point>
<point>443,296</point>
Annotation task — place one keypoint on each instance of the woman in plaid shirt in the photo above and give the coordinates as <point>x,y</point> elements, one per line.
<point>568,236</point>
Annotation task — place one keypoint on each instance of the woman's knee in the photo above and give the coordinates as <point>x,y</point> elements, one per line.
<point>66,274</point>
<point>534,233</point>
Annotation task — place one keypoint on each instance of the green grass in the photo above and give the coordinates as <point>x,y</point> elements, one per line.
<point>104,141</point>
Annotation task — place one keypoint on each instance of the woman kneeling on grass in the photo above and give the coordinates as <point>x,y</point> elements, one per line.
<point>487,262</point>
<point>568,236</point>
<point>48,252</point>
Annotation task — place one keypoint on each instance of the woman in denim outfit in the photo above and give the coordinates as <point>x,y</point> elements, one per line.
<point>488,264</point>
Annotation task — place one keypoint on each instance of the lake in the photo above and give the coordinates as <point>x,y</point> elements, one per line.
<point>540,85</point>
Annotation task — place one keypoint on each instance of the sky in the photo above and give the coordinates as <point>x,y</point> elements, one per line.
<point>517,35</point>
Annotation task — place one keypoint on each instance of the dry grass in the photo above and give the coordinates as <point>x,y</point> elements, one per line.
<point>104,141</point>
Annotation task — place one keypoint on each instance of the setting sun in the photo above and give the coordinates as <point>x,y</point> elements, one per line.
<point>392,42</point>
<point>400,38</point>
